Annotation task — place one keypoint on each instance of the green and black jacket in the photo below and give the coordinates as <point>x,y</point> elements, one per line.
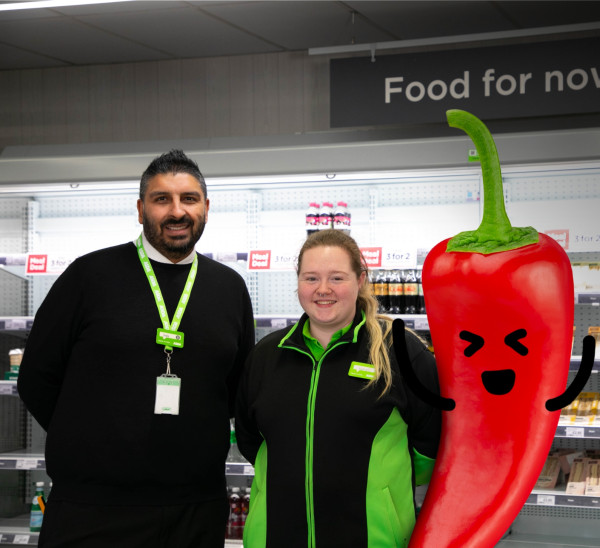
<point>335,463</point>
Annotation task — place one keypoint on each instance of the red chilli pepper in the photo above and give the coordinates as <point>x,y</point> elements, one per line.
<point>500,308</point>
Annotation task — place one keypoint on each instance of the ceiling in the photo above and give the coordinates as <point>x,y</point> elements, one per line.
<point>137,30</point>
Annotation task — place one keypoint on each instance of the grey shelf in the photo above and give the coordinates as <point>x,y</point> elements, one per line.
<point>15,531</point>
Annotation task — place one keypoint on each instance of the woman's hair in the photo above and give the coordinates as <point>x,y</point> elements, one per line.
<point>378,327</point>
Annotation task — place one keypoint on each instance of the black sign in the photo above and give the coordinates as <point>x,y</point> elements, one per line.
<point>514,81</point>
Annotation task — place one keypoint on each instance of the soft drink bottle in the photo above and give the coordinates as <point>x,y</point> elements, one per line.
<point>312,218</point>
<point>341,217</point>
<point>245,506</point>
<point>235,514</point>
<point>411,292</point>
<point>326,216</point>
<point>38,505</point>
<point>395,289</point>
<point>382,291</point>
<point>421,300</point>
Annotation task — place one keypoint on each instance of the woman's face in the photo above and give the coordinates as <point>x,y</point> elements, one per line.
<point>328,287</point>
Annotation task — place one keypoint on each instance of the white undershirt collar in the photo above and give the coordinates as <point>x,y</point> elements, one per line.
<point>157,256</point>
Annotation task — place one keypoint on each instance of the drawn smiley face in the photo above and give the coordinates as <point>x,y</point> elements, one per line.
<point>502,381</point>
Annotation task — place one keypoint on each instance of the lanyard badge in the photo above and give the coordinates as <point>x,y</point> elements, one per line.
<point>168,385</point>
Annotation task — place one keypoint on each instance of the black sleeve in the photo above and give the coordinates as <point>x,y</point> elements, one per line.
<point>249,438</point>
<point>425,421</point>
<point>246,344</point>
<point>55,328</point>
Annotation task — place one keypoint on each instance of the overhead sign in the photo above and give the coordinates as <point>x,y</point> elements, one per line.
<point>511,81</point>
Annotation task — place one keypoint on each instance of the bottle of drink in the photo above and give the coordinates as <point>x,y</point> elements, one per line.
<point>396,292</point>
<point>411,292</point>
<point>234,454</point>
<point>38,505</point>
<point>326,216</point>
<point>421,299</point>
<point>341,217</point>
<point>312,218</point>
<point>382,291</point>
<point>235,514</point>
<point>245,507</point>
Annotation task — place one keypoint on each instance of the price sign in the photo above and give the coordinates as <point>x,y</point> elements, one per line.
<point>399,258</point>
<point>574,432</point>
<point>46,264</point>
<point>26,464</point>
<point>21,539</point>
<point>6,388</point>
<point>271,260</point>
<point>546,500</point>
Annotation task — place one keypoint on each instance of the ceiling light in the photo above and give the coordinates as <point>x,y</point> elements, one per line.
<point>53,4</point>
<point>457,39</point>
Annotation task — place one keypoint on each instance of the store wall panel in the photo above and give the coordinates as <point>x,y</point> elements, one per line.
<point>265,94</point>
<point>145,100</point>
<point>241,95</point>
<point>54,107</point>
<point>122,104</point>
<point>291,92</point>
<point>101,95</point>
<point>10,114</point>
<point>170,107</point>
<point>30,105</point>
<point>218,96</point>
<point>78,105</point>
<point>194,98</point>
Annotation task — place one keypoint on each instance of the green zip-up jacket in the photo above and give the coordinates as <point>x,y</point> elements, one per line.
<point>335,464</point>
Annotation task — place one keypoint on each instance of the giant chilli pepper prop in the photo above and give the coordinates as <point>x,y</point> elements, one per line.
<point>500,307</point>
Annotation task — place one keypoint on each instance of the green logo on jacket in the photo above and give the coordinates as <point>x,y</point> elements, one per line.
<point>361,370</point>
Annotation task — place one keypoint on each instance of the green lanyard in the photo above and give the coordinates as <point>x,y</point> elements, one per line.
<point>168,336</point>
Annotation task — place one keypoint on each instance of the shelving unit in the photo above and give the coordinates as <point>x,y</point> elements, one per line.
<point>407,212</point>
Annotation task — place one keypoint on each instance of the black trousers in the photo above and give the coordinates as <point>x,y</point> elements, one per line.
<point>73,525</point>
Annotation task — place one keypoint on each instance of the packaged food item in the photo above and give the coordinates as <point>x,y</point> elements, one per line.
<point>588,408</point>
<point>594,331</point>
<point>566,458</point>
<point>14,356</point>
<point>568,413</point>
<point>549,475</point>
<point>592,482</point>
<point>577,477</point>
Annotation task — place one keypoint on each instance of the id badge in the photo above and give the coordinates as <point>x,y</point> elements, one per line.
<point>167,337</point>
<point>168,388</point>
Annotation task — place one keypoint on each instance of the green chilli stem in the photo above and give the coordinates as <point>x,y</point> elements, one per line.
<point>495,233</point>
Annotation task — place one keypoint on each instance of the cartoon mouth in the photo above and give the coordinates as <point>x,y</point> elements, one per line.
<point>498,382</point>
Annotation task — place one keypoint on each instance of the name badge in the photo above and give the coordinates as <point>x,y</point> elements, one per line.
<point>167,337</point>
<point>168,388</point>
<point>361,370</point>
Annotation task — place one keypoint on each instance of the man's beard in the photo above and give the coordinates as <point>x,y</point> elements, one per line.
<point>177,249</point>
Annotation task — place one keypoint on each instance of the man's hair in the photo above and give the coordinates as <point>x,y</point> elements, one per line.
<point>174,161</point>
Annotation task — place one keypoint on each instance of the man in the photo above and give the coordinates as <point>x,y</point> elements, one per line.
<point>131,367</point>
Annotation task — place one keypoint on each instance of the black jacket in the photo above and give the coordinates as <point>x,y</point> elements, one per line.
<point>335,463</point>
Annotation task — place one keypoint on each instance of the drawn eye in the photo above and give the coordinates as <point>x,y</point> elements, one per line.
<point>512,340</point>
<point>476,342</point>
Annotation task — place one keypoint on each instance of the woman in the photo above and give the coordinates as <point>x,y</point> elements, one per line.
<point>336,439</point>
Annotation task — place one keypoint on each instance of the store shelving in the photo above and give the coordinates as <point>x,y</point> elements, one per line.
<point>411,212</point>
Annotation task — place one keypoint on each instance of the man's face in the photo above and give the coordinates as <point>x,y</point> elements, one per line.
<point>173,213</point>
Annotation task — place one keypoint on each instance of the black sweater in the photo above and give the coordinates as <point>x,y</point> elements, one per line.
<point>89,370</point>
